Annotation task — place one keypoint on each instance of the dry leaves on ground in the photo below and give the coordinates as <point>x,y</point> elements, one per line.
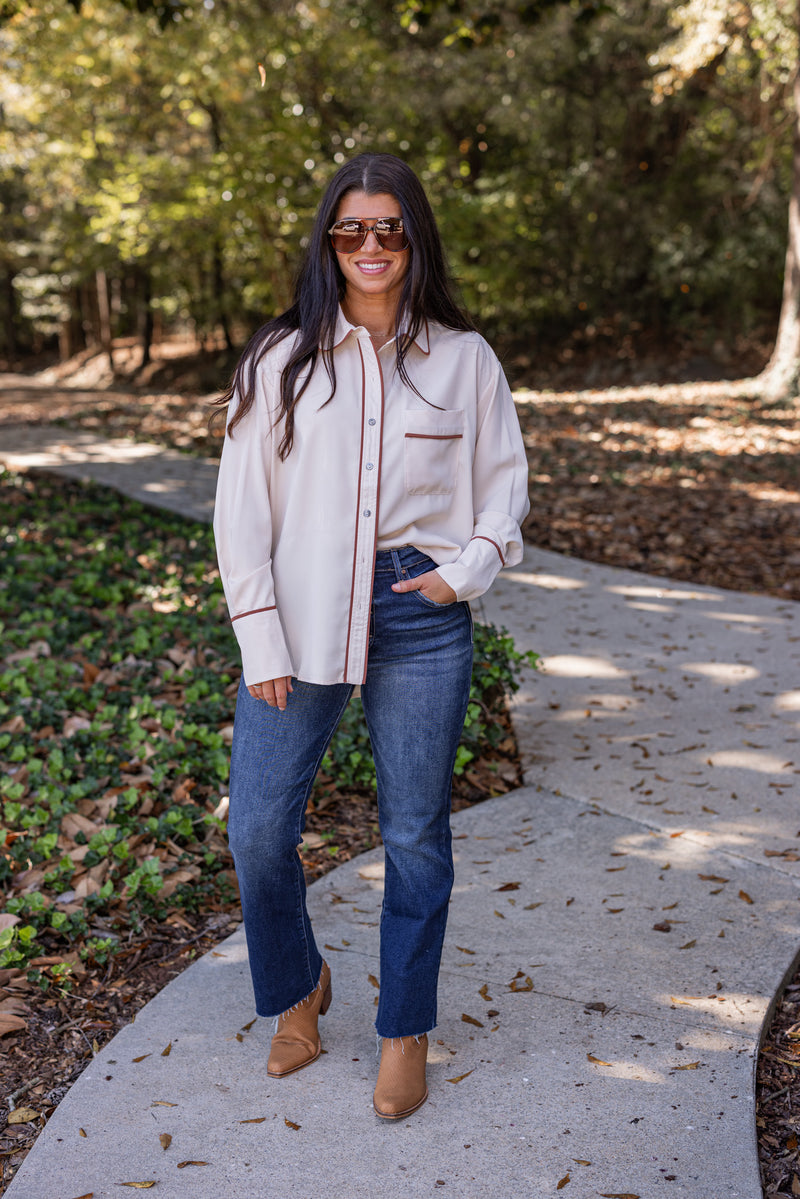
<point>697,482</point>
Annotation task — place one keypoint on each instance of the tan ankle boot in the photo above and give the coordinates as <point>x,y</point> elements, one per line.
<point>296,1042</point>
<point>401,1085</point>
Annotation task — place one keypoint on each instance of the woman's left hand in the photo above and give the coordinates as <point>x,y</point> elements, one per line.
<point>432,586</point>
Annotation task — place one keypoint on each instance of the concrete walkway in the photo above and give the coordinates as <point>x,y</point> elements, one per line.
<point>618,930</point>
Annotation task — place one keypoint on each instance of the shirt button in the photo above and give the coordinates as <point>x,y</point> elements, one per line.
<point>369,466</point>
<point>367,512</point>
<point>371,420</point>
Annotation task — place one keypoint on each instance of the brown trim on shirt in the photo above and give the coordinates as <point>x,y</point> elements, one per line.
<point>436,436</point>
<point>271,608</point>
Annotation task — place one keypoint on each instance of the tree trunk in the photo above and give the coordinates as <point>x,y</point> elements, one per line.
<point>145,290</point>
<point>11,315</point>
<point>780,379</point>
<point>104,313</point>
<point>219,294</point>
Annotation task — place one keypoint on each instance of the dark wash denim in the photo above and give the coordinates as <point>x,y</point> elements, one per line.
<point>415,699</point>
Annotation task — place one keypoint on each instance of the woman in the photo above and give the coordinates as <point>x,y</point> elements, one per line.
<point>372,482</point>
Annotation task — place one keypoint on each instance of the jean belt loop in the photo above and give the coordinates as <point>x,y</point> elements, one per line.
<point>398,566</point>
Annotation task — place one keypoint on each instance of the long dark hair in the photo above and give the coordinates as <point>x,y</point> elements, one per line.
<point>427,292</point>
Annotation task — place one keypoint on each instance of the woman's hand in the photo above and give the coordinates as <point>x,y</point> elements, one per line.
<point>432,586</point>
<point>273,691</point>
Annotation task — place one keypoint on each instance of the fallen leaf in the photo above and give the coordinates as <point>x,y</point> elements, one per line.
<point>371,978</point>
<point>597,1061</point>
<point>617,1195</point>
<point>139,1186</point>
<point>247,1027</point>
<point>743,895</point>
<point>291,1124</point>
<point>688,1066</point>
<point>22,1115</point>
<point>257,1120</point>
<point>562,1182</point>
<point>459,1077</point>
<point>471,1020</point>
<point>461,949</point>
<point>81,1132</point>
<point>166,1052</point>
<point>663,926</point>
<point>12,1020</point>
<point>162,1103</point>
<point>713,878</point>
<point>581,1161</point>
<point>181,1165</point>
<point>484,993</point>
<point>500,914</point>
<point>508,887</point>
<point>136,1059</point>
<point>525,985</point>
<point>688,945</point>
<point>165,1139</point>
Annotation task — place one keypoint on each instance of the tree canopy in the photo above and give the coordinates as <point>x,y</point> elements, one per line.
<point>594,167</point>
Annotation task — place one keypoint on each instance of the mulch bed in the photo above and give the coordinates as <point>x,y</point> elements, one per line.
<point>694,482</point>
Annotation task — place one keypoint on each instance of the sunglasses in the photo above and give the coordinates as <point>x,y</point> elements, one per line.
<point>349,235</point>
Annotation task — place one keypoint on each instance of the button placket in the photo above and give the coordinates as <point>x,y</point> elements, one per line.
<point>366,532</point>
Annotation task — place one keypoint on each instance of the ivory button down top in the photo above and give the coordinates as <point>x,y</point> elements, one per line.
<point>373,467</point>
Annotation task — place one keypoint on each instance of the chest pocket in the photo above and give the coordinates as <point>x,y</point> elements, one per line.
<point>432,450</point>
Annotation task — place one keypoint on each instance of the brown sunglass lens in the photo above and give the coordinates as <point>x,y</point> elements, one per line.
<point>392,238</point>
<point>346,241</point>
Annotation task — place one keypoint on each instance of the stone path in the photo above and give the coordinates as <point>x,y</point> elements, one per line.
<point>619,928</point>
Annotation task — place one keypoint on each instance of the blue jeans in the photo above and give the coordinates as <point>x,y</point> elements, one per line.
<point>415,699</point>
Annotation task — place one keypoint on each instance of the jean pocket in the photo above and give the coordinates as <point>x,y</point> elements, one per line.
<point>430,603</point>
<point>432,450</point>
<point>420,568</point>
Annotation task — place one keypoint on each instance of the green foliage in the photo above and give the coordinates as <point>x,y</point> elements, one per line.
<point>114,691</point>
<point>577,192</point>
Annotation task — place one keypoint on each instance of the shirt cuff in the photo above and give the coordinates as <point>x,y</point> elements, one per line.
<point>475,570</point>
<point>265,654</point>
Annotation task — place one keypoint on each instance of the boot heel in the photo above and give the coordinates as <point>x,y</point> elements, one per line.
<point>326,999</point>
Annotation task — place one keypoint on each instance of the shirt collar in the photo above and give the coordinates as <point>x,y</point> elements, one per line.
<point>344,328</point>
